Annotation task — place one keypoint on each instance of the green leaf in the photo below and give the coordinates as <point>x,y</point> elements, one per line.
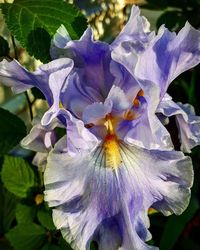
<point>12,130</point>
<point>25,213</point>
<point>37,93</point>
<point>8,204</point>
<point>4,47</point>
<point>176,224</point>
<point>60,132</point>
<point>93,246</point>
<point>27,236</point>
<point>45,219</point>
<point>63,244</point>
<point>17,176</point>
<point>15,104</point>
<point>34,22</point>
<point>5,244</point>
<point>50,246</point>
<point>169,18</point>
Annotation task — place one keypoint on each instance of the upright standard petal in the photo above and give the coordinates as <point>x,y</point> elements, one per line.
<point>94,199</point>
<point>136,30</point>
<point>168,55</point>
<point>132,40</point>
<point>92,65</point>
<point>188,123</point>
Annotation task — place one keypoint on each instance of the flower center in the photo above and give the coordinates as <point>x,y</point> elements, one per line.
<point>111,145</point>
<point>129,114</point>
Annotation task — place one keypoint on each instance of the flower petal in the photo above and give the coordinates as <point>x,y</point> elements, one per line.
<point>59,43</point>
<point>90,198</point>
<point>188,123</point>
<point>168,55</point>
<point>78,139</point>
<point>137,30</point>
<point>76,96</point>
<point>92,61</point>
<point>56,82</point>
<point>13,74</point>
<point>132,40</point>
<point>138,132</point>
<point>62,37</point>
<point>120,102</point>
<point>39,139</point>
<point>40,160</point>
<point>96,111</point>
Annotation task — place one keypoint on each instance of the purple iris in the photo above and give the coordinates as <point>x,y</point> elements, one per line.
<point>117,159</point>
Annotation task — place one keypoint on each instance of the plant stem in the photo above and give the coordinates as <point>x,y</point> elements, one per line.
<point>26,93</point>
<point>15,48</point>
<point>29,105</point>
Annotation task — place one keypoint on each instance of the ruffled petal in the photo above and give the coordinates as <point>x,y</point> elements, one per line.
<point>136,33</point>
<point>14,75</point>
<point>90,198</point>
<point>78,139</point>
<point>132,40</point>
<point>39,139</point>
<point>138,132</point>
<point>92,61</point>
<point>188,123</point>
<point>137,28</point>
<point>168,55</point>
<point>56,82</point>
<point>75,96</point>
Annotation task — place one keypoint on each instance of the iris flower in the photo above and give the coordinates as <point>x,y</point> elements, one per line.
<point>117,159</point>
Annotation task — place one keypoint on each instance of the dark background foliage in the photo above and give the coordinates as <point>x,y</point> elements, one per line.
<point>25,220</point>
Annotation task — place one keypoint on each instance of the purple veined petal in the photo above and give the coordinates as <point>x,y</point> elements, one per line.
<point>56,82</point>
<point>115,103</point>
<point>187,122</point>
<point>95,200</point>
<point>14,75</point>
<point>132,40</point>
<point>78,139</point>
<point>94,58</point>
<point>140,132</point>
<point>96,111</point>
<point>151,133</point>
<point>57,71</point>
<point>75,95</point>
<point>124,80</point>
<point>91,79</point>
<point>150,123</point>
<point>119,100</point>
<point>137,30</point>
<point>168,55</point>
